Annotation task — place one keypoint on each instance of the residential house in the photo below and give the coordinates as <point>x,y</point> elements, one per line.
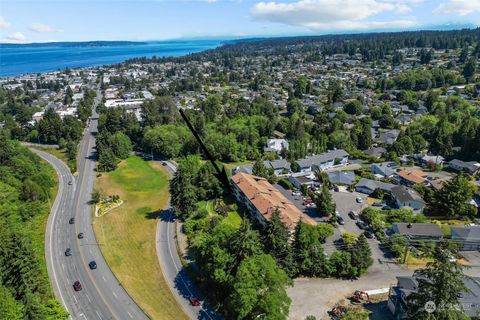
<point>425,159</point>
<point>298,181</point>
<point>470,167</point>
<point>398,296</point>
<point>323,161</point>
<point>262,199</point>
<point>377,152</point>
<point>411,177</point>
<point>342,177</point>
<point>276,145</point>
<point>418,231</point>
<point>467,237</point>
<point>406,197</point>
<point>384,169</point>
<point>367,186</point>
<point>388,136</point>
<point>279,166</point>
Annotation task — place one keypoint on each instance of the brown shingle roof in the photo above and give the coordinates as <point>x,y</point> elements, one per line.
<point>266,198</point>
<point>414,176</point>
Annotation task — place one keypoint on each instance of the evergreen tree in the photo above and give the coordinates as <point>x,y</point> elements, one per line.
<point>245,243</point>
<point>325,205</point>
<point>441,282</point>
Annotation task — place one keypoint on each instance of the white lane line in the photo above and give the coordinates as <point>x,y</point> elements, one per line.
<point>63,266</point>
<point>103,277</point>
<point>114,294</point>
<point>129,315</point>
<point>75,298</point>
<point>88,298</point>
<point>98,314</point>
<point>82,315</point>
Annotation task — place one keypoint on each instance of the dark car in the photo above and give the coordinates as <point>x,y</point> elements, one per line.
<point>353,215</point>
<point>71,221</point>
<point>340,220</point>
<point>361,225</point>
<point>378,204</point>
<point>77,286</point>
<point>92,265</point>
<point>70,182</point>
<point>80,235</point>
<point>164,163</point>
<point>336,189</point>
<point>68,252</point>
<point>387,208</point>
<point>194,301</point>
<point>369,234</point>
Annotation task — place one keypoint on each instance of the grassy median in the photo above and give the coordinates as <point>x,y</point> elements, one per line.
<point>127,234</point>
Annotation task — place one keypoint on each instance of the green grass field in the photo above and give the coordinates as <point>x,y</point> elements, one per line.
<point>127,234</point>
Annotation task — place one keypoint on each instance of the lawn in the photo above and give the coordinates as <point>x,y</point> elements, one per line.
<point>127,234</point>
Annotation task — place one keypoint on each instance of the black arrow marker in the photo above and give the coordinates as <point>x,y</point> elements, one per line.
<point>221,174</point>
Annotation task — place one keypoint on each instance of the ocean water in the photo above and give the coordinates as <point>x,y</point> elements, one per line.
<point>21,60</point>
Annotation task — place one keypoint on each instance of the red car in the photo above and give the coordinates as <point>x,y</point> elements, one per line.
<point>307,201</point>
<point>77,286</point>
<point>194,301</point>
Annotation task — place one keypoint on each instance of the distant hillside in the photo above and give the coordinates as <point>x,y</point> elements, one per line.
<point>71,44</point>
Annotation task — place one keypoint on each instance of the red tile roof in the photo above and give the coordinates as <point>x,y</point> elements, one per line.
<point>266,198</point>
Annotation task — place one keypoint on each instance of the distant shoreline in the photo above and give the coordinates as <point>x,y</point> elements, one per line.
<point>25,59</point>
<point>68,44</point>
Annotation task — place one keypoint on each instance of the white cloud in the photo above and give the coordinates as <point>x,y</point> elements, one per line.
<point>330,14</point>
<point>16,37</point>
<point>4,24</point>
<point>461,7</point>
<point>40,27</point>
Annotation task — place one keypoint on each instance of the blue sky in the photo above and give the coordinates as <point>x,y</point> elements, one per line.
<point>82,20</point>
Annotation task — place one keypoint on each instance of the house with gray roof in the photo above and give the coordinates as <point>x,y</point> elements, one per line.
<point>342,177</point>
<point>388,136</point>
<point>398,296</point>
<point>323,161</point>
<point>377,152</point>
<point>418,231</point>
<point>406,197</point>
<point>384,169</point>
<point>367,186</point>
<point>467,237</point>
<point>279,166</point>
<point>471,167</point>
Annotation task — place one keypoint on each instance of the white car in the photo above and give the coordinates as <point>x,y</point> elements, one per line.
<point>359,200</point>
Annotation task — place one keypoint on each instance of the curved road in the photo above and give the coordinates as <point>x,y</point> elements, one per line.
<point>102,297</point>
<point>173,271</point>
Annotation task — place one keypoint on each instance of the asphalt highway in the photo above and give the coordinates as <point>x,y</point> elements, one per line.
<point>173,271</point>
<point>102,297</point>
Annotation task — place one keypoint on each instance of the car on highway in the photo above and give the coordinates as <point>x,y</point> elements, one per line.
<point>71,221</point>
<point>80,235</point>
<point>70,182</point>
<point>359,200</point>
<point>340,220</point>
<point>362,225</point>
<point>92,265</point>
<point>77,286</point>
<point>194,301</point>
<point>353,215</point>
<point>164,163</point>
<point>68,252</point>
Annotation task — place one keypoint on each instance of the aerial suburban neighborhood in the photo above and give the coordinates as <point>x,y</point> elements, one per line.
<point>351,190</point>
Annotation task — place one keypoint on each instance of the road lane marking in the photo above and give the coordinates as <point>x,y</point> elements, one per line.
<point>130,315</point>
<point>98,314</point>
<point>75,298</point>
<point>115,295</point>
<point>103,277</point>
<point>88,298</point>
